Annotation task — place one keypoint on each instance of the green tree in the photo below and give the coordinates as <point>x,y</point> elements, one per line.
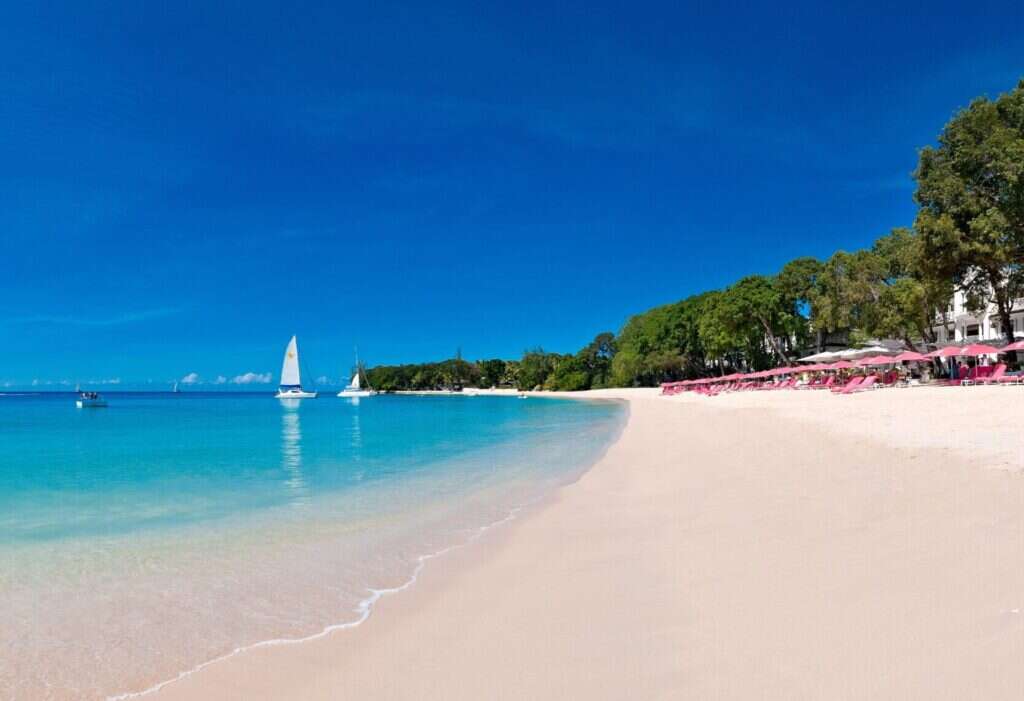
<point>909,300</point>
<point>534,368</point>
<point>569,374</point>
<point>492,372</point>
<point>596,359</point>
<point>758,298</point>
<point>798,284</point>
<point>510,378</point>
<point>720,335</point>
<point>627,368</point>
<point>661,344</point>
<point>970,189</point>
<point>837,295</point>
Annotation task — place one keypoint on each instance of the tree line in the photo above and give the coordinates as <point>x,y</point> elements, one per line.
<point>967,236</point>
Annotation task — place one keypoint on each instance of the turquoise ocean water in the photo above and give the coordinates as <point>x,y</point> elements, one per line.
<point>165,531</point>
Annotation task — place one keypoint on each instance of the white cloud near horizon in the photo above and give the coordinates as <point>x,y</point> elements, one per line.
<point>190,379</point>
<point>220,380</point>
<point>251,378</point>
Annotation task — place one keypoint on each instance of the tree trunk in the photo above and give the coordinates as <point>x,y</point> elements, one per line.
<point>1005,320</point>
<point>1004,304</point>
<point>773,340</point>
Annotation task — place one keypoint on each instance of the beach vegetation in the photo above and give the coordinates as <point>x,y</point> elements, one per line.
<point>970,192</point>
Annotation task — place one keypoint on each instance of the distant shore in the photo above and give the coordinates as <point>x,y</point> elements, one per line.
<point>790,545</point>
<point>469,391</point>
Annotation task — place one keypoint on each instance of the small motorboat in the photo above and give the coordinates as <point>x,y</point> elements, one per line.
<point>90,400</point>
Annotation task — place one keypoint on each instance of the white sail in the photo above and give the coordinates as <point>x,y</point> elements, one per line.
<point>290,366</point>
<point>354,384</point>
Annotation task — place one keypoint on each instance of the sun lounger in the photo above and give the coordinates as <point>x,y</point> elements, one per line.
<point>849,385</point>
<point>996,376</point>
<point>868,383</point>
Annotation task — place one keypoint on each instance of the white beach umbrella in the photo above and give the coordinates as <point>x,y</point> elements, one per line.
<point>855,353</point>
<point>819,357</point>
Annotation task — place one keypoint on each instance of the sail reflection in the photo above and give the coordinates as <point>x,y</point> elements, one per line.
<point>357,433</point>
<point>291,456</point>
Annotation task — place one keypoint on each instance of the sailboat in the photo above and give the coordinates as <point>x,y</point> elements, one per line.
<point>354,388</point>
<point>175,389</point>
<point>291,383</point>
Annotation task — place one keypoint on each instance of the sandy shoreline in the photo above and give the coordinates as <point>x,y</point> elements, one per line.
<point>788,545</point>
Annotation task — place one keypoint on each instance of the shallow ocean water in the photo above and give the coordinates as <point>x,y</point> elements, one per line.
<point>144,539</point>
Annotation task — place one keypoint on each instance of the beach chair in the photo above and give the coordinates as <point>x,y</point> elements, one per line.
<point>975,375</point>
<point>854,381</point>
<point>995,377</point>
<point>1015,379</point>
<point>827,384</point>
<point>962,375</point>
<point>868,383</point>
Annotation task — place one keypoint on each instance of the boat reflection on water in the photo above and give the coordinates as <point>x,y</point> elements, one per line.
<point>357,433</point>
<point>291,452</point>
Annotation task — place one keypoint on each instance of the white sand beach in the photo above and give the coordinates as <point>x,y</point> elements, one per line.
<point>771,545</point>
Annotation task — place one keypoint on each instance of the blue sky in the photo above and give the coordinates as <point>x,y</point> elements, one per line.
<point>184,186</point>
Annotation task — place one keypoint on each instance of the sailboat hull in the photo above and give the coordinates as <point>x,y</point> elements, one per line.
<point>356,393</point>
<point>295,394</point>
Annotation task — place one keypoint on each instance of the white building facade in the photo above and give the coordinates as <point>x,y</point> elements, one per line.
<point>962,325</point>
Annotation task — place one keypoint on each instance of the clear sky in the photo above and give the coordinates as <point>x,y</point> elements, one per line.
<point>185,185</point>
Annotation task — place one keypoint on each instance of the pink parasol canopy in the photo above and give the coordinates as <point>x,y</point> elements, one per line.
<point>947,352</point>
<point>1019,345</point>
<point>841,365</point>
<point>910,356</point>
<point>978,349</point>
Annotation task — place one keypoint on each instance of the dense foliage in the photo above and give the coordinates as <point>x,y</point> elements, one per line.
<point>444,375</point>
<point>971,195</point>
<point>968,235</point>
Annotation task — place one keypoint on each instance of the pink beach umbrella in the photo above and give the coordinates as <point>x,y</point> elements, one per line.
<point>1019,345</point>
<point>978,349</point>
<point>947,352</point>
<point>841,365</point>
<point>906,356</point>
